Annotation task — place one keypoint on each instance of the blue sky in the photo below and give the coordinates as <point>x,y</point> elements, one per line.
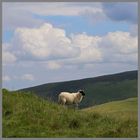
<point>69,24</point>
<point>51,42</point>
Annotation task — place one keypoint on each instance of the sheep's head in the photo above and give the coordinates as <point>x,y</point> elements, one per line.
<point>82,92</point>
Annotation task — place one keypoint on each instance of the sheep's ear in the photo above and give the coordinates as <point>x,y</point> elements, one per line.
<point>79,90</point>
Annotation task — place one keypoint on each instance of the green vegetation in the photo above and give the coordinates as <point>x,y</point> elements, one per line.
<point>27,115</point>
<point>124,109</point>
<point>109,91</point>
<point>98,90</point>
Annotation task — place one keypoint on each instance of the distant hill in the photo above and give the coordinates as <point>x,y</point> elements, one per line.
<point>25,115</point>
<point>98,90</point>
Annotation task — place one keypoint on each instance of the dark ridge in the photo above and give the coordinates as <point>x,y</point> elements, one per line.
<point>98,89</point>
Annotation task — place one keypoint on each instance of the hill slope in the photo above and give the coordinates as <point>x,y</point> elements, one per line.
<point>117,108</point>
<point>27,115</point>
<point>98,90</point>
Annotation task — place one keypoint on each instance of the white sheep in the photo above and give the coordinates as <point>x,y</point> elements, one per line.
<point>71,98</point>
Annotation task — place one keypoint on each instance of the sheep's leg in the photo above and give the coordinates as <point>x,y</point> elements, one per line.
<point>76,106</point>
<point>63,102</point>
<point>60,102</point>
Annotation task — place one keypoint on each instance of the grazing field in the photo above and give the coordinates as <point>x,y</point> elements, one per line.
<point>124,109</point>
<point>27,115</point>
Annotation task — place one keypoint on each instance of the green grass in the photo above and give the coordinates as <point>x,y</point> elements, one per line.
<point>26,115</point>
<point>124,109</point>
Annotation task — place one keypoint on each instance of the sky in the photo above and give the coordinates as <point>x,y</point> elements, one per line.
<point>52,42</point>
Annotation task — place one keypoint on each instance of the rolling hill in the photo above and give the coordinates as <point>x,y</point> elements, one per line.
<point>98,90</point>
<point>118,108</point>
<point>25,115</point>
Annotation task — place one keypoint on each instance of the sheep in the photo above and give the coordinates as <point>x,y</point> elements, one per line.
<point>71,98</point>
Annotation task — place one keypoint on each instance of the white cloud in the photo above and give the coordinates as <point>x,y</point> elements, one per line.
<point>28,77</point>
<point>44,43</point>
<point>7,56</point>
<point>51,45</point>
<point>89,48</point>
<point>16,15</point>
<point>119,46</point>
<point>114,47</point>
<point>121,42</point>
<point>53,65</point>
<point>94,16</point>
<point>25,14</point>
<point>134,30</point>
<point>63,9</point>
<point>6,78</point>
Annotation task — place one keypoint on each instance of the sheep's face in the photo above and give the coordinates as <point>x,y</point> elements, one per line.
<point>82,92</point>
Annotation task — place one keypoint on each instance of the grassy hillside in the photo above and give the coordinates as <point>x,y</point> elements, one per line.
<point>27,115</point>
<point>98,90</point>
<point>118,108</point>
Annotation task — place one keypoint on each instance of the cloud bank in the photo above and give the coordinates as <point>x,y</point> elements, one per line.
<point>43,43</point>
<point>50,44</point>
